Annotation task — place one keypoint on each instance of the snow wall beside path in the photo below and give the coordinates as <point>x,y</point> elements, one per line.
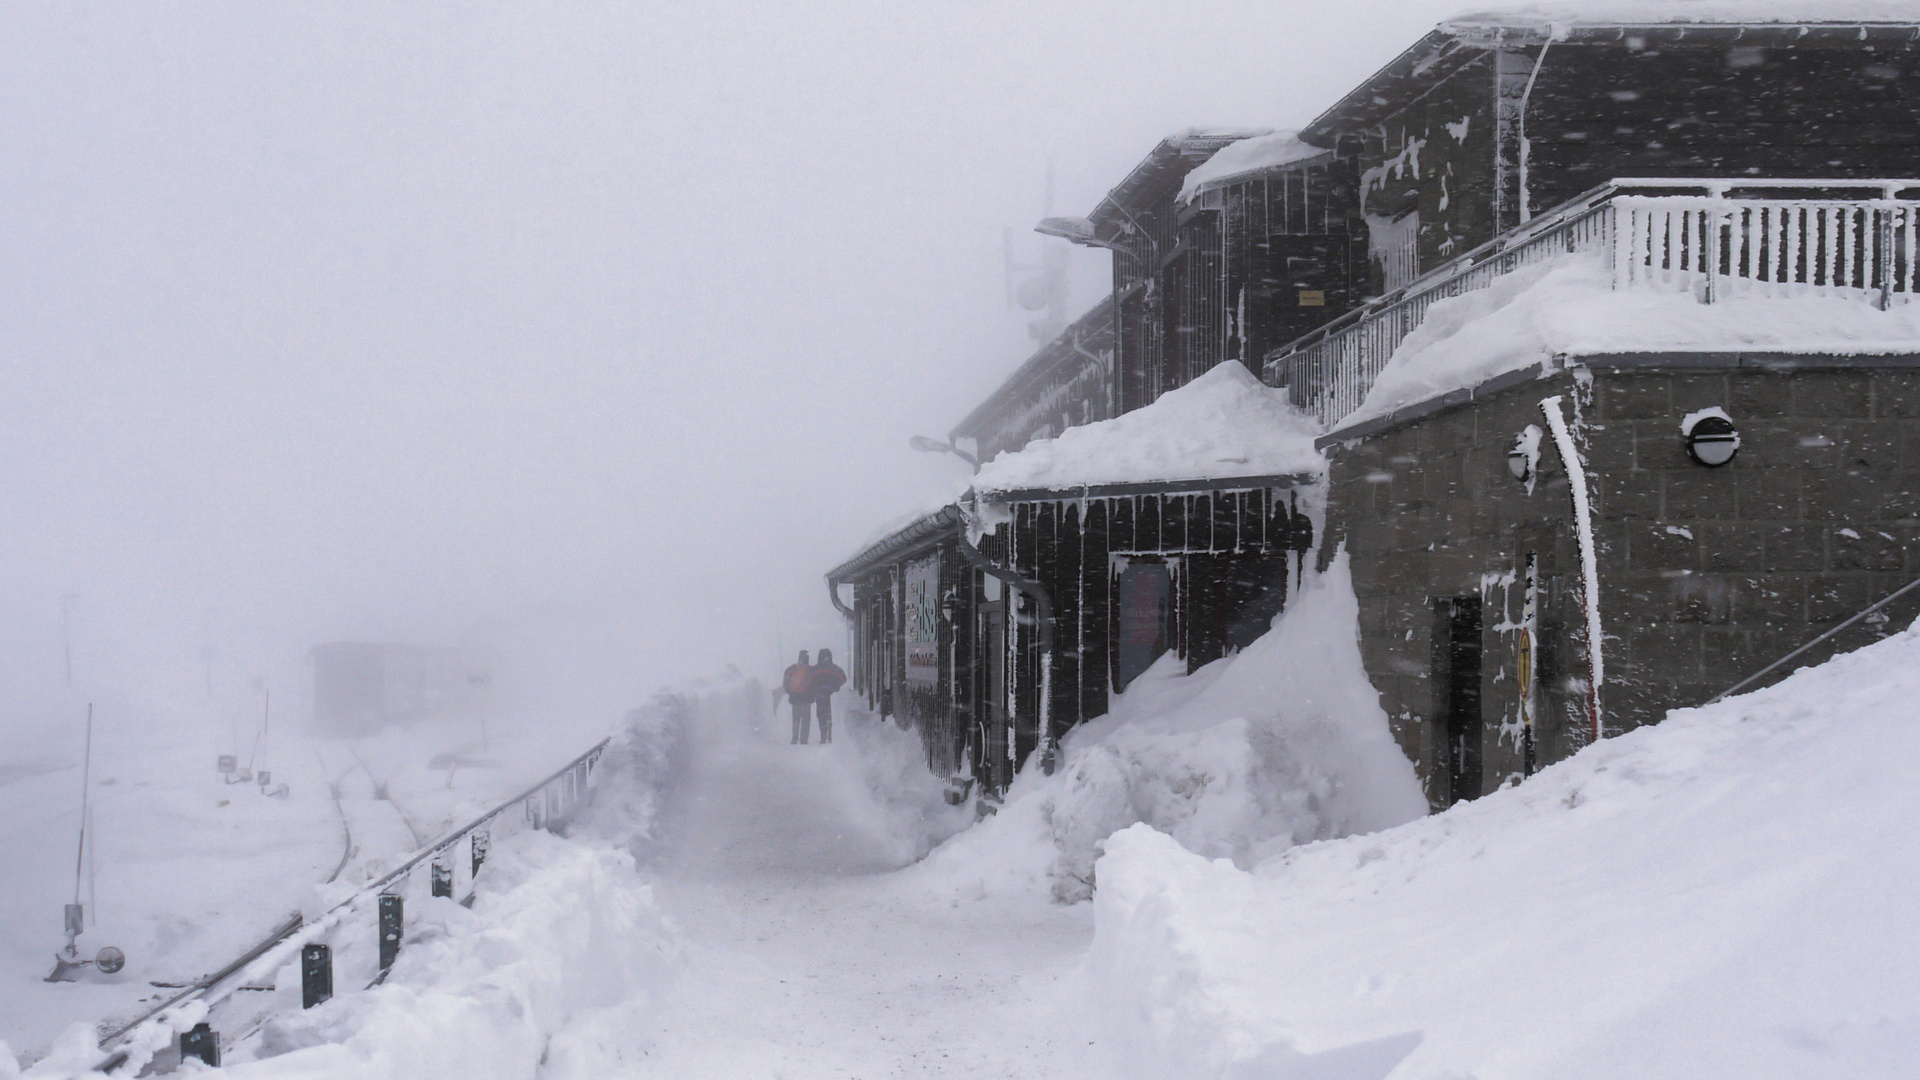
<point>1282,744</point>
<point>1728,893</point>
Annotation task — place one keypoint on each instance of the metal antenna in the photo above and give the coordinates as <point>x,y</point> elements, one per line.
<point>76,913</point>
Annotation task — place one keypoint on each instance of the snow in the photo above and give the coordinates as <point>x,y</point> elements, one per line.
<point>1567,307</point>
<point>189,871</point>
<point>1692,418</point>
<point>1284,743</point>
<point>1226,423</point>
<point>1656,12</point>
<point>1589,557</point>
<point>1712,896</point>
<point>1528,444</point>
<point>1246,157</point>
<point>1715,895</point>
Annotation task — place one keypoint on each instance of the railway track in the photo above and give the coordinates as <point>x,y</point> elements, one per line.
<point>359,826</point>
<point>545,803</point>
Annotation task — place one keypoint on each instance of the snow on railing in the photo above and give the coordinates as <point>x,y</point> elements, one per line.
<point>1696,235</point>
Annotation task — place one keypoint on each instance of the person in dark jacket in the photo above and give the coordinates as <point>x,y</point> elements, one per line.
<point>796,683</point>
<point>822,681</point>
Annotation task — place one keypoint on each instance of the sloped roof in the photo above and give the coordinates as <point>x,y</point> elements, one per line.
<point>1247,158</point>
<point>1160,173</point>
<point>1092,331</point>
<point>1460,40</point>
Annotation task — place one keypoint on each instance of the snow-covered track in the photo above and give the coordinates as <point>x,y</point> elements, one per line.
<point>547,804</point>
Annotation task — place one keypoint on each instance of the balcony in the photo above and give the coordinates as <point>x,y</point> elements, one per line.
<point>1715,239</point>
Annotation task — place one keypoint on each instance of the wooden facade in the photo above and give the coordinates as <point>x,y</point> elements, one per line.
<point>943,644</point>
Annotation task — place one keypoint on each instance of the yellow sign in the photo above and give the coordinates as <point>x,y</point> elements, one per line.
<point>1312,298</point>
<point>1524,647</point>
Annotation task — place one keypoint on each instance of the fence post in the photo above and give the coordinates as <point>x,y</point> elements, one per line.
<point>201,1043</point>
<point>442,876</point>
<point>392,918</point>
<point>316,974</point>
<point>1711,219</point>
<point>1884,215</point>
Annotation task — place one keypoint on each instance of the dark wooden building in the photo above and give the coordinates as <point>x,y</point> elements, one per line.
<point>1494,144</point>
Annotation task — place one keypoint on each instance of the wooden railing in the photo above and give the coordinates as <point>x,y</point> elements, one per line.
<point>1714,238</point>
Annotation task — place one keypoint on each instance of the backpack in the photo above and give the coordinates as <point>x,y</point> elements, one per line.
<point>796,681</point>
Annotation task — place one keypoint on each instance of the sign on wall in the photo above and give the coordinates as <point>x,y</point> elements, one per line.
<point>923,620</point>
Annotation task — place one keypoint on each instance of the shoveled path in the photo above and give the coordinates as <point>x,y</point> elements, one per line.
<point>808,960</point>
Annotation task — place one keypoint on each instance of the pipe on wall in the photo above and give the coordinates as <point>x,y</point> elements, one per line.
<point>1043,602</point>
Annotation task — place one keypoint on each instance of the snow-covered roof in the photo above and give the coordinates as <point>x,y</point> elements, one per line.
<point>1679,12</point>
<point>1223,424</point>
<point>1246,157</point>
<point>1165,164</point>
<point>1568,308</point>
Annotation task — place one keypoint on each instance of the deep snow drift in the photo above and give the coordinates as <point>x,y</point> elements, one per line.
<point>1726,894</point>
<point>1282,744</point>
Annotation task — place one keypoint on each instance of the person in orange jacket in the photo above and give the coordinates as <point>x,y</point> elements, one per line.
<point>822,681</point>
<point>795,683</point>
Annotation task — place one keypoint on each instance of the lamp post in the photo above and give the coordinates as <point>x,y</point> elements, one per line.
<point>66,631</point>
<point>1081,231</point>
<point>935,446</point>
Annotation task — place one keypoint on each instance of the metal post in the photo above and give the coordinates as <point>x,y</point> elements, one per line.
<point>201,1043</point>
<point>316,974</point>
<point>442,876</point>
<point>392,918</point>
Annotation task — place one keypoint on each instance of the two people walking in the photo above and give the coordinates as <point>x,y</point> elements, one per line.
<point>809,689</point>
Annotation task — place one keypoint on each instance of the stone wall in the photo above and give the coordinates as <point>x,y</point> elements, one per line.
<point>1707,575</point>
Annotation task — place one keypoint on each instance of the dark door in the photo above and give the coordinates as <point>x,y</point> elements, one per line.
<point>1143,593</point>
<point>1456,683</point>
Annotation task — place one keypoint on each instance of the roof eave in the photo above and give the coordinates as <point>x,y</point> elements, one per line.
<point>932,527</point>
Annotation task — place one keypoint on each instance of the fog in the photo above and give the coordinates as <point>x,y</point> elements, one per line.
<point>587,334</point>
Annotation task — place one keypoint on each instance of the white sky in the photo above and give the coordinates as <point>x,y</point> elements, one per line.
<point>583,322</point>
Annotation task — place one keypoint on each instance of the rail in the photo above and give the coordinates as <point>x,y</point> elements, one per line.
<point>544,805</point>
<point>1715,238</point>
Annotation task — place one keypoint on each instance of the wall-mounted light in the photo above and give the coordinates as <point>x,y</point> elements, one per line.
<point>1523,459</point>
<point>947,605</point>
<point>1710,436</point>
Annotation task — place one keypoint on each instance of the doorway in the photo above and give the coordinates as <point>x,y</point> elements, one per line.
<point>1456,689</point>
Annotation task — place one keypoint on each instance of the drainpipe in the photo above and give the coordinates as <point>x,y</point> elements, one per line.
<point>833,594</point>
<point>1044,616</point>
<point>1526,205</point>
<point>1589,561</point>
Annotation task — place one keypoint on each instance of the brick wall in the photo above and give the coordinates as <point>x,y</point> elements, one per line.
<point>1707,575</point>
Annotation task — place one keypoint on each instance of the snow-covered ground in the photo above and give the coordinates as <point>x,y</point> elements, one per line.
<point>186,870</point>
<point>1724,894</point>
<point>1729,893</point>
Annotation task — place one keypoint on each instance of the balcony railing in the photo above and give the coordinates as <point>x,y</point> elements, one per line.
<point>1714,238</point>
